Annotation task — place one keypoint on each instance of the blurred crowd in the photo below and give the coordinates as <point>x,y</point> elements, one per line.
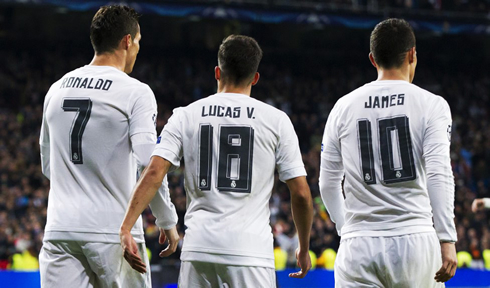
<point>478,6</point>
<point>176,81</point>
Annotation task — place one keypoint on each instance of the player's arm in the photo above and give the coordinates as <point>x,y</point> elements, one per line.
<point>291,170</point>
<point>302,210</point>
<point>45,151</point>
<point>331,175</point>
<point>142,123</point>
<point>332,171</point>
<point>480,204</point>
<point>44,143</point>
<point>144,191</point>
<point>440,185</point>
<point>161,205</point>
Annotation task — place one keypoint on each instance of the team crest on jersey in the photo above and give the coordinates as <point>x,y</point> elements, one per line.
<point>398,174</point>
<point>233,184</point>
<point>203,182</point>
<point>449,130</point>
<point>367,177</point>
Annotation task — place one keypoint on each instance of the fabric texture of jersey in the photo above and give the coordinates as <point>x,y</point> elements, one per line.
<point>383,133</point>
<point>89,117</point>
<point>231,145</point>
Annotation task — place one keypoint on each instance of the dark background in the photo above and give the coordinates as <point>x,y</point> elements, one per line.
<point>305,69</point>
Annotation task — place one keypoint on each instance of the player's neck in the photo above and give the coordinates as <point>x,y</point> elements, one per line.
<point>394,74</point>
<point>234,89</point>
<point>109,59</point>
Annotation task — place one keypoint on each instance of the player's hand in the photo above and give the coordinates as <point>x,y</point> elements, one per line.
<point>173,240</point>
<point>304,262</point>
<point>478,205</point>
<point>449,262</point>
<point>130,251</point>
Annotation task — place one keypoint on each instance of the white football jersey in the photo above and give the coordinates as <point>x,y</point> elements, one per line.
<point>231,145</point>
<point>89,116</point>
<point>382,132</point>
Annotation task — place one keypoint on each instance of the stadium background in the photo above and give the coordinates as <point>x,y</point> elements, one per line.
<point>314,53</point>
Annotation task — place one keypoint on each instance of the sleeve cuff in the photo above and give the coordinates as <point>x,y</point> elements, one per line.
<point>486,203</point>
<point>165,225</point>
<point>167,155</point>
<point>447,237</point>
<point>292,173</point>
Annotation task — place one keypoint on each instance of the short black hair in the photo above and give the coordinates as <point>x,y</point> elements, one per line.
<point>390,40</point>
<point>110,24</point>
<point>238,58</point>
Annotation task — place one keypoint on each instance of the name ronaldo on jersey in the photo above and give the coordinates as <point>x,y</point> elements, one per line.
<point>87,83</point>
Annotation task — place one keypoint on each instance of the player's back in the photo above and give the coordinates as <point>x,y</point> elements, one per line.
<point>232,144</point>
<point>88,115</point>
<point>383,132</point>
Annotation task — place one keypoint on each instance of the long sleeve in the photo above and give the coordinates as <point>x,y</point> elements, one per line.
<point>44,143</point>
<point>331,174</point>
<point>440,184</point>
<point>45,161</point>
<point>440,179</point>
<point>486,203</point>
<point>161,206</point>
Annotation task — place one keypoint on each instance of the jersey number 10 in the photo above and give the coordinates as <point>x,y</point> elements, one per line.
<point>395,150</point>
<point>235,158</point>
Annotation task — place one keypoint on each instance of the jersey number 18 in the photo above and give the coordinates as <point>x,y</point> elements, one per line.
<point>235,158</point>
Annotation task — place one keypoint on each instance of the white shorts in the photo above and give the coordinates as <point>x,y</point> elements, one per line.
<point>89,264</point>
<point>410,260</point>
<point>204,274</point>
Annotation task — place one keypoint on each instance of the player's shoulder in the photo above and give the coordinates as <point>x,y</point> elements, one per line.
<point>135,82</point>
<point>348,99</point>
<point>267,108</point>
<point>133,85</point>
<point>237,99</point>
<point>421,90</point>
<point>410,89</point>
<point>434,100</point>
<point>111,73</point>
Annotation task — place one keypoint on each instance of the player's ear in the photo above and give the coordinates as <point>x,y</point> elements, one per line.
<point>217,73</point>
<point>411,55</point>
<point>371,58</point>
<point>127,41</point>
<point>256,78</point>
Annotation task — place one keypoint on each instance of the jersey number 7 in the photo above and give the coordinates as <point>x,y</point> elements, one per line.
<point>83,107</point>
<point>235,158</point>
<point>395,150</point>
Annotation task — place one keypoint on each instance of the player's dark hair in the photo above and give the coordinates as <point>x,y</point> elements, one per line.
<point>239,57</point>
<point>390,41</point>
<point>110,24</point>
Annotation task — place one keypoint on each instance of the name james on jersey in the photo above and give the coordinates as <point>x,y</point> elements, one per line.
<point>385,101</point>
